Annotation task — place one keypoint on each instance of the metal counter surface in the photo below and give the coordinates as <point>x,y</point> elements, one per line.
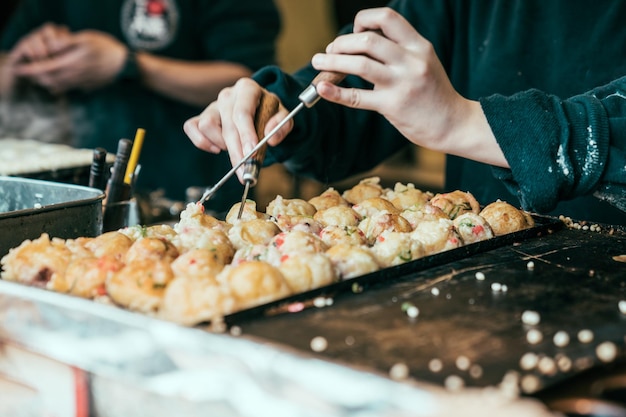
<point>472,329</point>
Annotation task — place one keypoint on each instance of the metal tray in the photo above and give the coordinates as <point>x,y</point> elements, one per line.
<point>543,225</point>
<point>31,207</point>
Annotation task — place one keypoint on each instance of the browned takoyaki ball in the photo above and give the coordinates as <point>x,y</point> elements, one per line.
<point>406,196</point>
<point>456,203</point>
<point>254,283</point>
<point>289,207</point>
<point>395,248</point>
<point>306,271</point>
<point>379,222</point>
<point>338,216</point>
<point>151,248</point>
<point>140,285</point>
<point>437,236</point>
<point>505,218</point>
<point>114,244</point>
<point>366,188</point>
<point>472,228</point>
<point>372,206</point>
<point>329,198</point>
<point>352,261</point>
<point>252,232</point>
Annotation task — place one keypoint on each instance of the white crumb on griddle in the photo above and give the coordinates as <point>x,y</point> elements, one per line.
<point>319,344</point>
<point>399,371</point>
<point>528,361</point>
<point>534,336</point>
<point>585,336</point>
<point>547,366</point>
<point>235,331</point>
<point>319,302</point>
<point>530,383</point>
<point>561,338</point>
<point>564,363</point>
<point>454,383</point>
<point>476,371</point>
<point>622,306</point>
<point>496,287</point>
<point>463,363</point>
<point>434,291</point>
<point>530,265</point>
<point>349,340</point>
<point>479,276</point>
<point>606,351</point>
<point>531,317</point>
<point>435,365</point>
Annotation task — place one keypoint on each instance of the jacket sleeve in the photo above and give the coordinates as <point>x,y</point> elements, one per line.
<point>560,149</point>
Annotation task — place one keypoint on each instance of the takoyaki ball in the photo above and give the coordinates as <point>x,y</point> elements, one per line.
<point>472,228</point>
<point>456,203</point>
<point>406,196</point>
<point>78,247</point>
<point>198,263</point>
<point>194,216</point>
<point>366,188</point>
<point>335,235</point>
<point>505,218</point>
<point>289,207</point>
<point>249,213</point>
<point>151,248</point>
<point>252,232</point>
<point>395,248</point>
<point>425,213</point>
<point>297,241</point>
<point>253,283</point>
<point>352,261</point>
<point>300,222</point>
<point>379,222</point>
<point>139,285</point>
<point>136,232</point>
<point>371,206</point>
<point>114,244</point>
<point>34,262</point>
<point>329,198</point>
<point>265,253</point>
<point>192,301</point>
<point>306,271</point>
<point>338,216</point>
<point>437,236</point>
<point>212,239</point>
<point>85,277</point>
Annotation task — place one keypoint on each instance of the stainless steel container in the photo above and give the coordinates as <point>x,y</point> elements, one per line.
<point>30,207</point>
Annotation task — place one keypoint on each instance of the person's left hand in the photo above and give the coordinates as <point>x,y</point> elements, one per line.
<point>86,60</point>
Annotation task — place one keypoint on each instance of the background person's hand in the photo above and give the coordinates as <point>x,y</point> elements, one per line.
<point>84,60</point>
<point>227,124</point>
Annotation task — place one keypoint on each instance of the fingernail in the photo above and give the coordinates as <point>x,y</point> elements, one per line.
<point>329,47</point>
<point>318,59</point>
<point>247,148</point>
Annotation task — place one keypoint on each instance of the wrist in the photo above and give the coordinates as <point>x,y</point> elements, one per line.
<point>130,69</point>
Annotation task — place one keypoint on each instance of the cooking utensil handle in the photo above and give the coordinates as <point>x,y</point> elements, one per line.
<point>268,106</point>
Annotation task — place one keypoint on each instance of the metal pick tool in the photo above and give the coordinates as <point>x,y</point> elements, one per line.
<point>307,98</point>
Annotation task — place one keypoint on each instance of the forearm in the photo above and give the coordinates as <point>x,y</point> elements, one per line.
<point>195,83</point>
<point>470,136</point>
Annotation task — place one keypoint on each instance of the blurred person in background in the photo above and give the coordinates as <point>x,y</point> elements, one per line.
<point>526,97</point>
<point>120,65</point>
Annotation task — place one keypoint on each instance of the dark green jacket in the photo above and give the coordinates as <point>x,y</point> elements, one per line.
<point>534,65</point>
<point>242,31</point>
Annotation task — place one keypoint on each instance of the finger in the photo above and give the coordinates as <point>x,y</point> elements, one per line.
<point>365,67</point>
<point>281,133</point>
<point>198,138</point>
<point>349,97</point>
<point>392,25</point>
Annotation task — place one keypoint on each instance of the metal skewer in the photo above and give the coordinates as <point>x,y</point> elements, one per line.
<point>307,98</point>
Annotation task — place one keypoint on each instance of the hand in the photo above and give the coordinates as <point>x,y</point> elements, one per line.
<point>411,88</point>
<point>227,124</point>
<point>42,43</point>
<point>85,60</point>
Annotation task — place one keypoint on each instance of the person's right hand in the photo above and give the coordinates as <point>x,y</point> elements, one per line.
<point>59,61</point>
<point>227,124</point>
<point>40,44</point>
